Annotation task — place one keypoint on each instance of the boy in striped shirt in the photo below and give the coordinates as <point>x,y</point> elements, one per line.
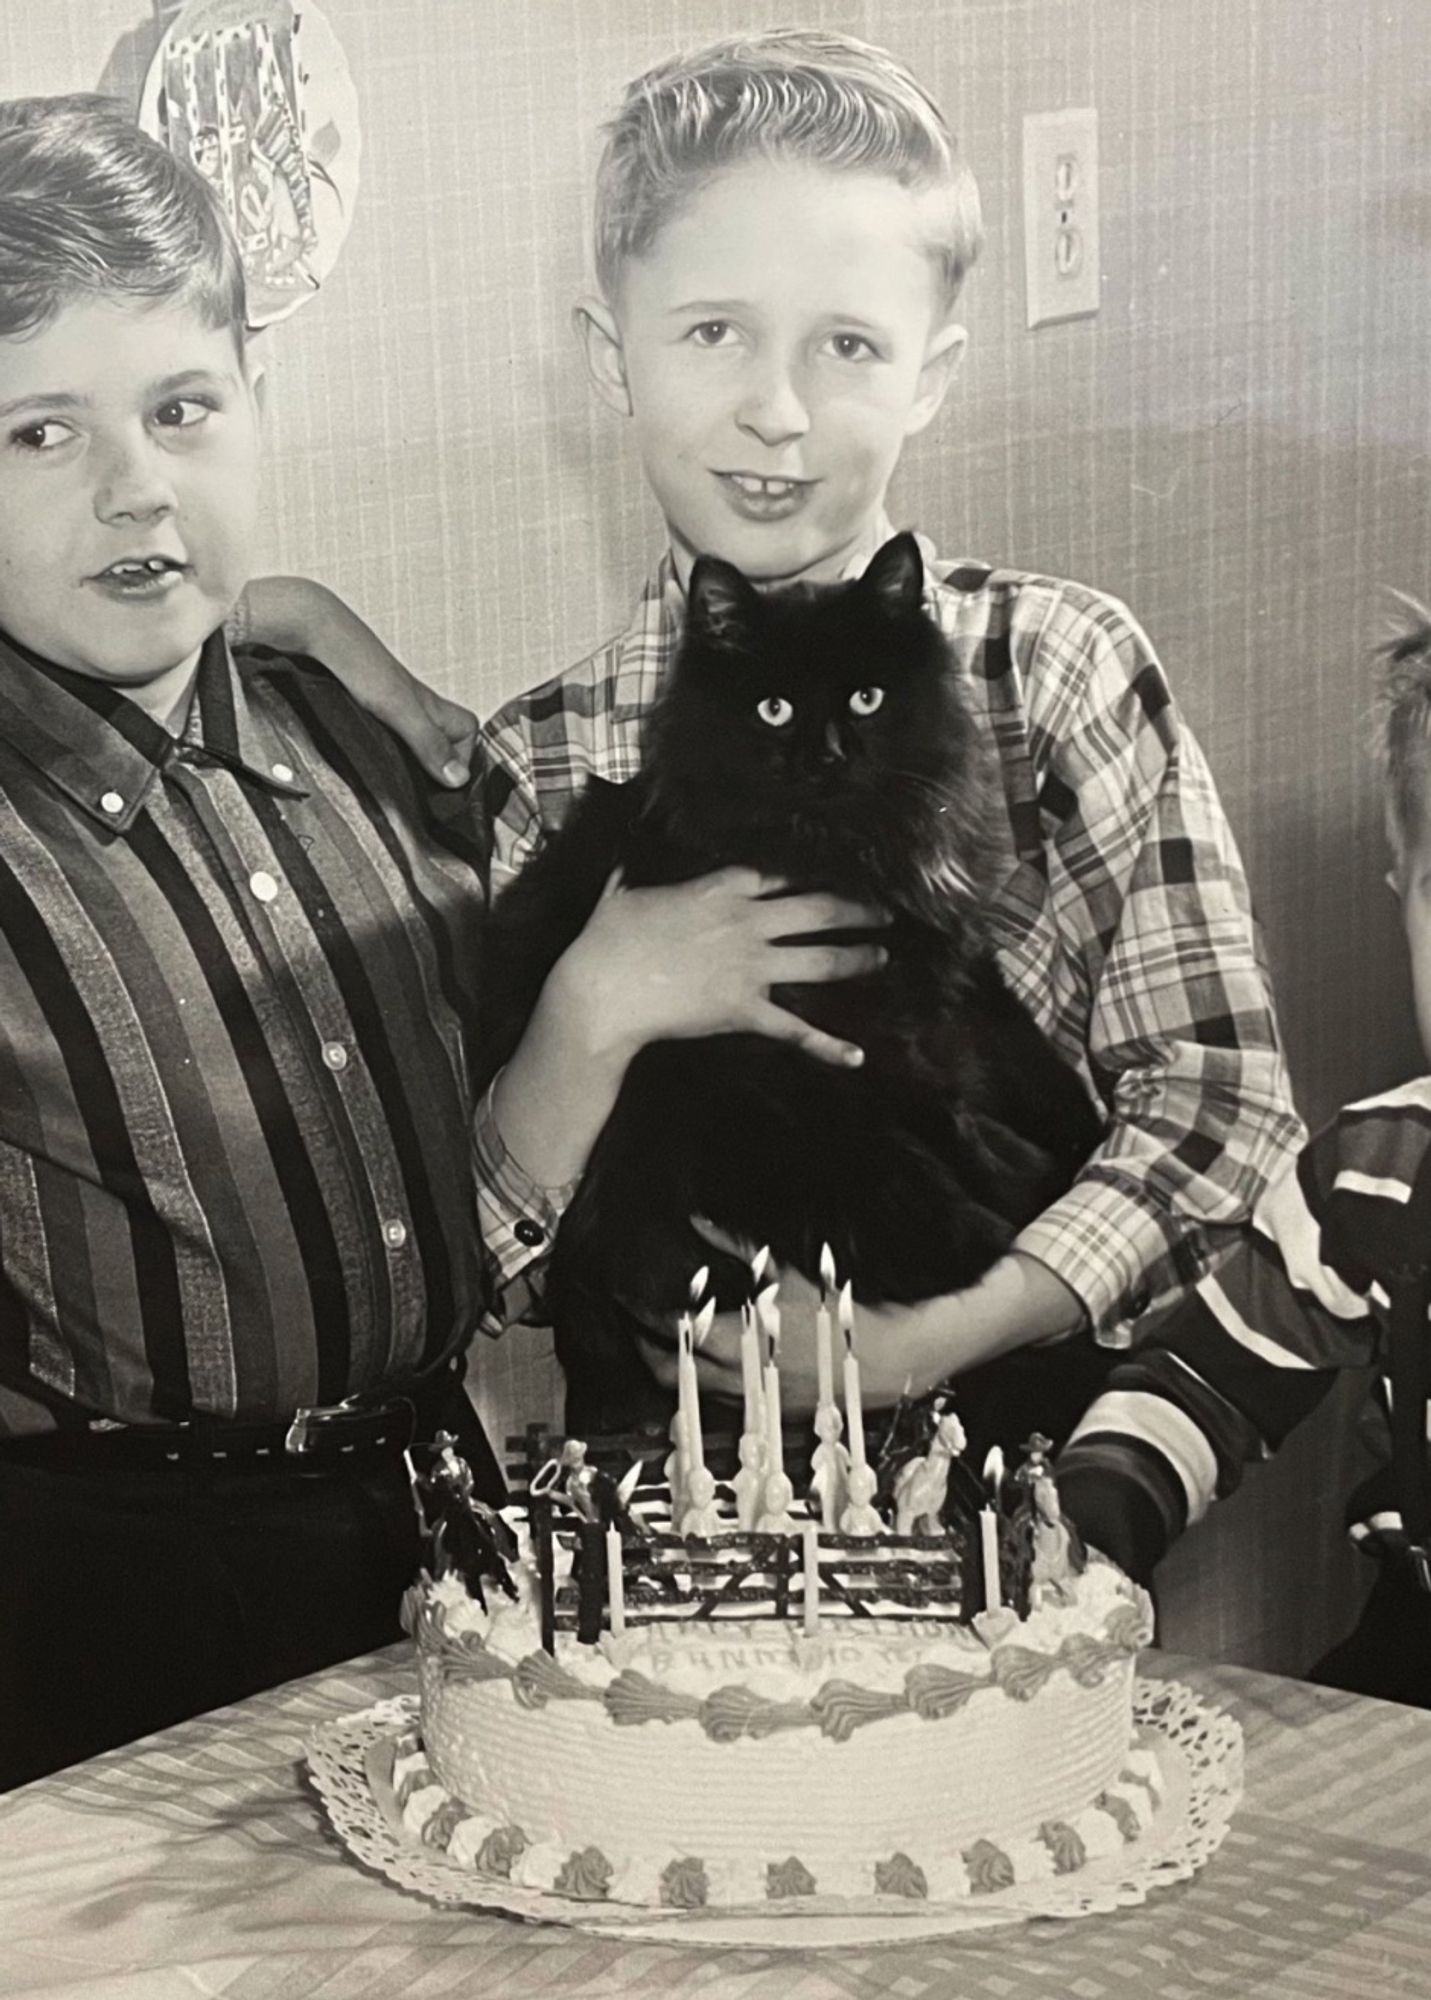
<point>1334,1275</point>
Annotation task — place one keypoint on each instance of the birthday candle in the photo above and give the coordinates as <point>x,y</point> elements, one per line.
<point>688,1406</point>
<point>810,1564</point>
<point>854,1405</point>
<point>824,1362</point>
<point>989,1547</point>
<point>615,1583</point>
<point>768,1313</point>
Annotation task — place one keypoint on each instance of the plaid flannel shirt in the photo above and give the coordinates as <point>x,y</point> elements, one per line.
<point>1122,919</point>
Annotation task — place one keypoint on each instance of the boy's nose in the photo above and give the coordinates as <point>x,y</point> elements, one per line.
<point>133,485</point>
<point>772,409</point>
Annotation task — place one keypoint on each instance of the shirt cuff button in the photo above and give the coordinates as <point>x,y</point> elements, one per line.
<point>529,1232</point>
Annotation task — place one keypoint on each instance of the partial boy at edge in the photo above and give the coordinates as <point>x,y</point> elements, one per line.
<point>1335,1274</point>
<point>783,226</point>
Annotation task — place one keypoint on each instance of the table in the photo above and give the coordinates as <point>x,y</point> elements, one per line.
<point>198,1863</point>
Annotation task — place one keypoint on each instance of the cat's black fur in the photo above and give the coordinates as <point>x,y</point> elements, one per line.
<point>962,1125</point>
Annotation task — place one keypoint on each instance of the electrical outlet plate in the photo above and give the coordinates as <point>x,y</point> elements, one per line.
<point>1061,249</point>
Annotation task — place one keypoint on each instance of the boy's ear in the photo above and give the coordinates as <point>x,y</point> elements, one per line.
<point>600,336</point>
<point>942,358</point>
<point>255,370</point>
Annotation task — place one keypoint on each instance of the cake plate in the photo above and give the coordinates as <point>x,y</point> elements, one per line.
<point>1199,1751</point>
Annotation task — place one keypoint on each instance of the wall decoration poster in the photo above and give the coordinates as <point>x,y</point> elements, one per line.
<point>257,95</point>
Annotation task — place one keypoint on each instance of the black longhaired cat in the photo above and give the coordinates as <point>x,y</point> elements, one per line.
<point>819,735</point>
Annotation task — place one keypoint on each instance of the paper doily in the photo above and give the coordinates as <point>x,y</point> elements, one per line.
<point>1199,1749</point>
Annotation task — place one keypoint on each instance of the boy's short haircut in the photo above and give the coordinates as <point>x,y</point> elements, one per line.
<point>792,94</point>
<point>1403,725</point>
<point>91,207</point>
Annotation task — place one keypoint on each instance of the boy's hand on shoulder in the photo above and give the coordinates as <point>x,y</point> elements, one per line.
<point>699,958</point>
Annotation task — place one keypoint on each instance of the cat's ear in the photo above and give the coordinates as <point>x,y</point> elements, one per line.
<point>721,604</point>
<point>895,577</point>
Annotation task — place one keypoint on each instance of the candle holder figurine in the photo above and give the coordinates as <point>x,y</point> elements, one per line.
<point>749,1482</point>
<point>702,1516</point>
<point>776,1518</point>
<point>861,1517</point>
<point>829,1466</point>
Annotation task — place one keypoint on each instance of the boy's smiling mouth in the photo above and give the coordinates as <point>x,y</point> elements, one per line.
<point>765,497</point>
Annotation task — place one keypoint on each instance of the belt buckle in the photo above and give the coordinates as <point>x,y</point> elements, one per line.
<point>1421,1564</point>
<point>311,1417</point>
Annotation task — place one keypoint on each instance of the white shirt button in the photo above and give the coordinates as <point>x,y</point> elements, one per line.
<point>395,1234</point>
<point>263,886</point>
<point>335,1055</point>
<point>112,803</point>
<point>283,774</point>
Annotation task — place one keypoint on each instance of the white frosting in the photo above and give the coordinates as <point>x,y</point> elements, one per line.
<point>649,1792</point>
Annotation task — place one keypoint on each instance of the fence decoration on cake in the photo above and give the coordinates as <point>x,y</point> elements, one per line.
<point>649,1534</point>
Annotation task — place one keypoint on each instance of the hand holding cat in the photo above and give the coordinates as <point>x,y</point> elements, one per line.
<point>699,958</point>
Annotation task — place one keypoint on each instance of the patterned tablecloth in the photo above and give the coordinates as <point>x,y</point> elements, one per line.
<point>199,1864</point>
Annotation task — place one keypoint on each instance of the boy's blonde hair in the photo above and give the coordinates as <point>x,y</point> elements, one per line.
<point>1403,723</point>
<point>792,94</point>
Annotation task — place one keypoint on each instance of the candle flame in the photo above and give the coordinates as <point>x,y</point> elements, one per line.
<point>704,1320</point>
<point>994,1469</point>
<point>847,1313</point>
<point>700,1284</point>
<point>760,1263</point>
<point>827,1269</point>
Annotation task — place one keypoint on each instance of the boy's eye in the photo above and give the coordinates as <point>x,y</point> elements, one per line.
<point>775,710</point>
<point>853,347</point>
<point>43,436</point>
<point>712,333</point>
<point>864,701</point>
<point>182,413</point>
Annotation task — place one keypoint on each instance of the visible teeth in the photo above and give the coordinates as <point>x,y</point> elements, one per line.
<point>149,566</point>
<point>763,489</point>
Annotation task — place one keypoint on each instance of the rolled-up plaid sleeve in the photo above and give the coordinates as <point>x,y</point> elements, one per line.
<point>1181,1040</point>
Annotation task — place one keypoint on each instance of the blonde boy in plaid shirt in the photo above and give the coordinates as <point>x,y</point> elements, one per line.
<point>783,225</point>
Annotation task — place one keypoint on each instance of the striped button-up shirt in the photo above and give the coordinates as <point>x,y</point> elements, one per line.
<point>1254,1351</point>
<point>1121,919</point>
<point>236,982</point>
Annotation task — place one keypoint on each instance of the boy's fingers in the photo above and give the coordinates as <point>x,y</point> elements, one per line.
<point>768,1019</point>
<point>800,916</point>
<point>816,964</point>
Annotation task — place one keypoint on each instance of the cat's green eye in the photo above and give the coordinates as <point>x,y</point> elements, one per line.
<point>864,701</point>
<point>776,710</point>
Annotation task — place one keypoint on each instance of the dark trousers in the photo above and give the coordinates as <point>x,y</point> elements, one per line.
<point>1388,1652</point>
<point>133,1598</point>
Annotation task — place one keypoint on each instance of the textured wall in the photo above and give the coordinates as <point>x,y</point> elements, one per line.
<point>1236,445</point>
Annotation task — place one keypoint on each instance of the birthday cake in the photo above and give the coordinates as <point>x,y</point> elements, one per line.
<point>626,1714</point>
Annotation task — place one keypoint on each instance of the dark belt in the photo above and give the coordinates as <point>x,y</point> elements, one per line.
<point>317,1438</point>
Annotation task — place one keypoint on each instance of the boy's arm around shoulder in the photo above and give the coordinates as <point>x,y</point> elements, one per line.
<point>294,614</point>
<point>1147,888</point>
<point>1250,1353</point>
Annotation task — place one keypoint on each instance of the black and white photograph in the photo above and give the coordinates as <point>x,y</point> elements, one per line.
<point>715,999</point>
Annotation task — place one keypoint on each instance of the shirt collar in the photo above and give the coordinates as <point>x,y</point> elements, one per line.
<point>104,752</point>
